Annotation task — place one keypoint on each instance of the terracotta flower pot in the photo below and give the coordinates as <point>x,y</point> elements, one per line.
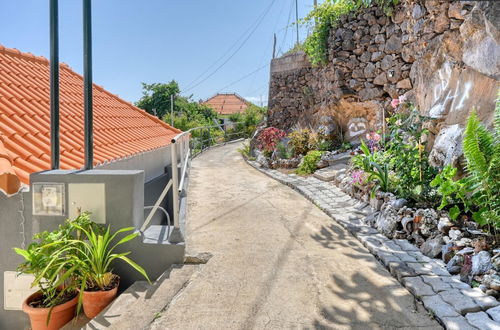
<point>95,301</point>
<point>60,315</point>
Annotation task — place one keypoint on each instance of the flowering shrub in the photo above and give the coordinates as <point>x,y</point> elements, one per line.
<point>300,141</point>
<point>373,141</point>
<point>395,103</point>
<point>269,138</point>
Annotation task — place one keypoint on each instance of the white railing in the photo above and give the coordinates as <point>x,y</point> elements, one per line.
<point>181,153</point>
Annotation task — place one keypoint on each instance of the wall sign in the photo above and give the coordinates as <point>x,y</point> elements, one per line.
<point>49,198</point>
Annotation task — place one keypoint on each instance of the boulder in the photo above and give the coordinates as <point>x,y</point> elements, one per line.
<point>444,225</point>
<point>432,247</point>
<point>481,263</point>
<point>428,221</point>
<point>455,264</point>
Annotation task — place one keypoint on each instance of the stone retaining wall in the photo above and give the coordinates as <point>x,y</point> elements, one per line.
<point>445,56</point>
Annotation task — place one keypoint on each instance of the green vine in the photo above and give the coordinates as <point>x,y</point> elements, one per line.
<point>326,16</point>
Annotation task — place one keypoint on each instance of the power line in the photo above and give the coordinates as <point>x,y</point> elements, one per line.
<point>236,51</point>
<point>227,52</point>
<point>272,38</point>
<point>286,27</point>
<point>244,77</point>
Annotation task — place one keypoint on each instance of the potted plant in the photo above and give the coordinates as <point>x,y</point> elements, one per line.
<point>54,304</point>
<point>93,257</point>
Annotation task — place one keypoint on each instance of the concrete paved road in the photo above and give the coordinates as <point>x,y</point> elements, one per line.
<point>279,262</point>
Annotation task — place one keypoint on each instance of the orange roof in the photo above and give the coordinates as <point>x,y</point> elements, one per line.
<point>120,128</point>
<point>226,104</point>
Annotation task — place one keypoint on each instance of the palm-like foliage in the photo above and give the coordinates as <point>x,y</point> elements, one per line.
<point>96,254</point>
<point>482,153</point>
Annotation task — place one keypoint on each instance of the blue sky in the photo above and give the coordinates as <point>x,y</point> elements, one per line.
<point>160,40</point>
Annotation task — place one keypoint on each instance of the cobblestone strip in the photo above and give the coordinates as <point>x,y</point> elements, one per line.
<point>454,303</point>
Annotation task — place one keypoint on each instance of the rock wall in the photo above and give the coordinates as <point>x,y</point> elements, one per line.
<point>443,55</point>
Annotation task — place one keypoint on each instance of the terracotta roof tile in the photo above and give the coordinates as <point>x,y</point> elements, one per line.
<point>226,104</point>
<point>120,128</point>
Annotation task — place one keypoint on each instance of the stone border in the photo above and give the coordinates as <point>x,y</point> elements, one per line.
<point>454,303</point>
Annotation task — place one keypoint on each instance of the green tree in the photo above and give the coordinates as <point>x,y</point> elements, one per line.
<point>157,97</point>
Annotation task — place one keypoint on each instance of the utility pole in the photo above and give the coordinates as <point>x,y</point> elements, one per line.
<point>274,46</point>
<point>172,109</point>
<point>297,19</point>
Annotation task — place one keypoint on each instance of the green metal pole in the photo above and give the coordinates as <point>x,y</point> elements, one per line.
<point>87,84</point>
<point>54,84</point>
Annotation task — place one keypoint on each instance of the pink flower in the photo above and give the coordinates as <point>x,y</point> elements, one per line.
<point>374,136</point>
<point>358,177</point>
<point>395,103</point>
<point>402,98</point>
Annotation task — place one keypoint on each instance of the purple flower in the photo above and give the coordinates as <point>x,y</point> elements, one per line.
<point>358,177</point>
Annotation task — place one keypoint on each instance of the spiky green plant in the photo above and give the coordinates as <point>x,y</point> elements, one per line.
<point>482,154</point>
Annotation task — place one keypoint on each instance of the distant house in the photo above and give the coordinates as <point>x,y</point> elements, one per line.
<point>227,104</point>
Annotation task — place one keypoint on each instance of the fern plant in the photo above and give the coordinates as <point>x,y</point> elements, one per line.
<point>482,154</point>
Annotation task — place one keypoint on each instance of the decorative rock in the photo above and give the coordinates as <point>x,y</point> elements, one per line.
<point>444,225</point>
<point>455,264</point>
<point>464,251</point>
<point>447,252</point>
<point>407,223</point>
<point>454,234</point>
<point>495,283</point>
<point>398,203</point>
<point>428,221</point>
<point>481,263</point>
<point>432,247</point>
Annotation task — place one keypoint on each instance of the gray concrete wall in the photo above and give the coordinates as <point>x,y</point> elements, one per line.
<point>153,163</point>
<point>15,230</point>
<point>290,62</point>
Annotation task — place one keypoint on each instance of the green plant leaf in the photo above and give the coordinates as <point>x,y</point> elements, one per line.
<point>454,212</point>
<point>135,266</point>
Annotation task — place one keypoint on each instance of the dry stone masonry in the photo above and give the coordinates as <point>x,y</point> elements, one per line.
<point>443,55</point>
